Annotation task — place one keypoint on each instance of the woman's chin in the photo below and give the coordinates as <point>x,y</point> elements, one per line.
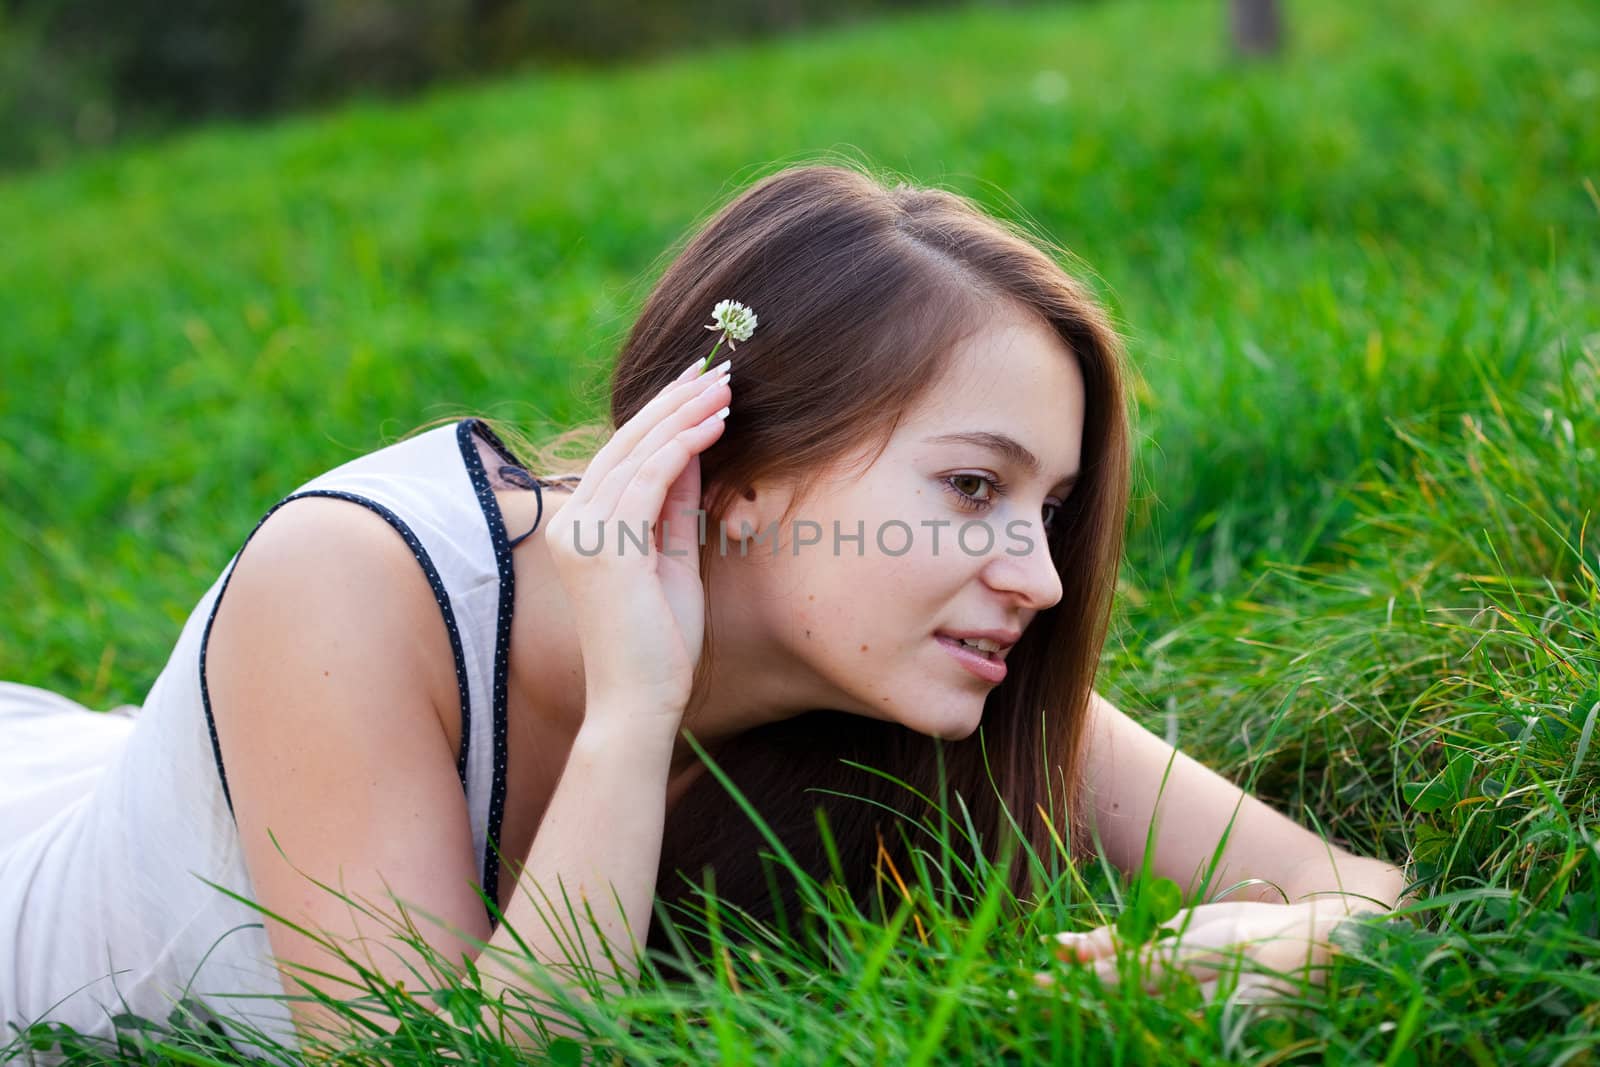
<point>946,712</point>
<point>959,723</point>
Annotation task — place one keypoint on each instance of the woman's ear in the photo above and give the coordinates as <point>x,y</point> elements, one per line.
<point>743,517</point>
<point>754,513</point>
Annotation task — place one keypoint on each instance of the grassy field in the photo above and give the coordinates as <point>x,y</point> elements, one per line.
<point>1360,289</point>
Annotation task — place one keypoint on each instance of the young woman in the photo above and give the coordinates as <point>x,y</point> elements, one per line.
<point>430,674</point>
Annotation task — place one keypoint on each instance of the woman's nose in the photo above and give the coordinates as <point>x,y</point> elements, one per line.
<point>1022,564</point>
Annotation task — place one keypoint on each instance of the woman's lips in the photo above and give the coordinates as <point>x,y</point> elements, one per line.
<point>986,666</point>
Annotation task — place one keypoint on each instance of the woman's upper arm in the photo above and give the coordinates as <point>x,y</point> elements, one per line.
<point>331,742</point>
<point>1125,766</point>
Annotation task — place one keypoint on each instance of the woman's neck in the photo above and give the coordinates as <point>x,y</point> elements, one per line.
<point>546,677</point>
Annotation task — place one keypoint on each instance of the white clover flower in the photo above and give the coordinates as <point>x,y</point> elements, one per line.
<point>733,319</point>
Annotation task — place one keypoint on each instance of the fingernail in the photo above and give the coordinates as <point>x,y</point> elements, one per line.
<point>692,370</point>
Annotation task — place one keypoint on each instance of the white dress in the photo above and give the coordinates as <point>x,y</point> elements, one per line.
<point>113,823</point>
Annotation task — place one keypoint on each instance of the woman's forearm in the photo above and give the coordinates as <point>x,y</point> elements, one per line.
<point>601,832</point>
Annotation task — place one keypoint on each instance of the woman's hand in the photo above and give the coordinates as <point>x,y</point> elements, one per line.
<point>1271,947</point>
<point>640,612</point>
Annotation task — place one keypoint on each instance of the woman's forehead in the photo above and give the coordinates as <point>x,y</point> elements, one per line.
<point>1017,381</point>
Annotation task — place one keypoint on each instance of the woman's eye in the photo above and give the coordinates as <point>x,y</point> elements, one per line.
<point>959,484</point>
<point>975,481</point>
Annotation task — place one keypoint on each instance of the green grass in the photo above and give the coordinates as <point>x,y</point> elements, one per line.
<point>1360,285</point>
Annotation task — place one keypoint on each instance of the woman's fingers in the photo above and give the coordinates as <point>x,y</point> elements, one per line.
<point>646,494</point>
<point>693,370</point>
<point>630,433</point>
<point>1267,950</point>
<point>681,533</point>
<point>1269,940</point>
<point>692,405</point>
<point>700,400</point>
<point>1204,951</point>
<point>1083,946</point>
<point>1102,940</point>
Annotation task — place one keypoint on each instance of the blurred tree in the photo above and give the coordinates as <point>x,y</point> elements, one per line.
<point>75,73</point>
<point>1257,27</point>
<point>184,58</point>
<point>378,46</point>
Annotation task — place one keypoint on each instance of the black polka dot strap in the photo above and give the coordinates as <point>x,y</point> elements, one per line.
<point>434,582</point>
<point>507,599</point>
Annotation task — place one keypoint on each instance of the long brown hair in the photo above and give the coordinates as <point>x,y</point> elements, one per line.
<point>863,287</point>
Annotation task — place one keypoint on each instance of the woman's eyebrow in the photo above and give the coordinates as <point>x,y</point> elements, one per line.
<point>1005,445</point>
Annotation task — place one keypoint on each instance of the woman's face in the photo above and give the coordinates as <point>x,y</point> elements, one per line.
<point>858,618</point>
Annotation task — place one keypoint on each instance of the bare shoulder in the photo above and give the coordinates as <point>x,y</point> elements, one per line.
<point>322,668</point>
<point>323,575</point>
<point>328,615</point>
<point>327,533</point>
